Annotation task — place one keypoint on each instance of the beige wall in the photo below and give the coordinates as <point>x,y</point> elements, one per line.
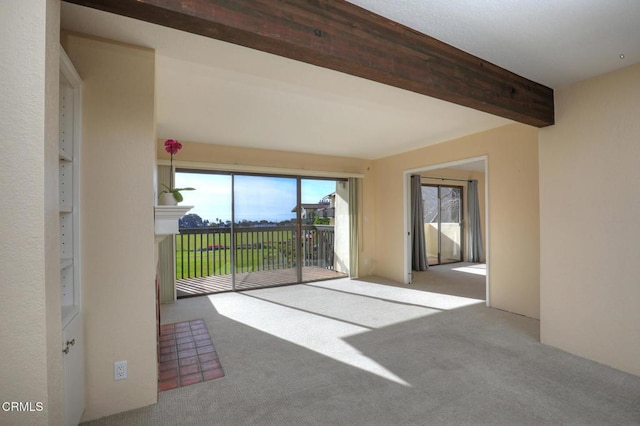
<point>193,152</point>
<point>31,357</point>
<point>513,262</point>
<point>117,241</point>
<point>52,216</point>
<point>589,175</point>
<point>224,154</point>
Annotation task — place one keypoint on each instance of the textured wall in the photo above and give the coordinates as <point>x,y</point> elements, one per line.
<point>30,370</point>
<point>589,210</point>
<point>52,215</point>
<point>116,201</point>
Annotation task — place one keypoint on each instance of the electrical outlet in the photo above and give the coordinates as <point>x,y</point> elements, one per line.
<point>120,370</point>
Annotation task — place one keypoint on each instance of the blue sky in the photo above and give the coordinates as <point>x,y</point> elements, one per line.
<point>257,197</point>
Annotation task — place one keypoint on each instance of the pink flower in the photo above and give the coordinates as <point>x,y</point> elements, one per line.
<point>172,146</point>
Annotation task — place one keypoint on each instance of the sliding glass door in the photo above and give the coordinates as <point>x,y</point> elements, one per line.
<point>443,216</point>
<point>324,228</point>
<point>250,231</point>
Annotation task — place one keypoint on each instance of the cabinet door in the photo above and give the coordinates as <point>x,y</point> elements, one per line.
<point>73,357</point>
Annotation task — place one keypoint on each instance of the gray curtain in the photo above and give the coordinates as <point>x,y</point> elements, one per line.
<point>354,248</point>
<point>475,228</point>
<point>418,241</point>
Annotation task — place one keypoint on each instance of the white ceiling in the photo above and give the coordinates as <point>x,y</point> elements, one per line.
<point>214,92</point>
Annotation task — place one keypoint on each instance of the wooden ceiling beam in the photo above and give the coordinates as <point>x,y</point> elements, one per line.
<point>343,37</point>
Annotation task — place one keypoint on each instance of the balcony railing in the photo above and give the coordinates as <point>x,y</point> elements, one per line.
<point>202,252</point>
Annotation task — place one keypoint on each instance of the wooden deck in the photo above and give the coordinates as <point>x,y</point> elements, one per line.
<point>246,281</point>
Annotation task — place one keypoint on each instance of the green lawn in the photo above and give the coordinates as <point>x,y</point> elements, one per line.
<point>200,255</point>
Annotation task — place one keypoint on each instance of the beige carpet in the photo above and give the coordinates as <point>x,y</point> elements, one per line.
<point>359,352</point>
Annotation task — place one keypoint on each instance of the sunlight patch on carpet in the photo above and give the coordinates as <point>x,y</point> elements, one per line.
<point>475,269</point>
<point>320,316</point>
<point>314,332</point>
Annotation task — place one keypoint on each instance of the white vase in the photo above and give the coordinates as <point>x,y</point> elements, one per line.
<point>167,199</point>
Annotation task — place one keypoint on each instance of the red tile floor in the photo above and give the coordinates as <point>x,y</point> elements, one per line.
<point>187,355</point>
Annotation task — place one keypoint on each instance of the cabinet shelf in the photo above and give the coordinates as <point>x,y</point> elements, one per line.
<point>63,156</point>
<point>65,262</point>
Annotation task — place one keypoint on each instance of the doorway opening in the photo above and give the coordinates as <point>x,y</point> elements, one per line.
<point>250,231</point>
<point>449,236</point>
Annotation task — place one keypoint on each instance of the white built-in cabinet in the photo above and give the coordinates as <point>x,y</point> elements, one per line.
<point>69,158</point>
<point>71,300</point>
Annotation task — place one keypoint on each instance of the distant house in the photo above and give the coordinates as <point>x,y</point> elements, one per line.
<point>328,209</point>
<point>309,211</point>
